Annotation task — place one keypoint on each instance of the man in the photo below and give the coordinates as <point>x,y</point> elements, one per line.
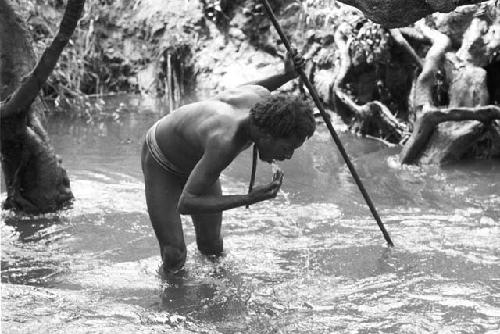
<point>186,151</point>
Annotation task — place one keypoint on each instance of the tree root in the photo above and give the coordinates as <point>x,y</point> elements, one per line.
<point>398,38</point>
<point>430,118</point>
<point>343,42</point>
<point>373,118</point>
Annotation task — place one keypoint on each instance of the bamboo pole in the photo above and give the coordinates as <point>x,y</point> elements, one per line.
<point>329,125</point>
<point>254,168</point>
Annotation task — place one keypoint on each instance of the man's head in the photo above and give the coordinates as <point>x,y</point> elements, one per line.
<point>283,123</point>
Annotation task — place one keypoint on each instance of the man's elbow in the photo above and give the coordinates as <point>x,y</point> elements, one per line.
<point>182,205</point>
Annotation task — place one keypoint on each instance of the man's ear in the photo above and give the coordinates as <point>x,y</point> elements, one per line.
<point>261,134</point>
<point>267,135</point>
<point>267,138</point>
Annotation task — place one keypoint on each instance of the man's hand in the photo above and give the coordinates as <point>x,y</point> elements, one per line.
<point>268,191</point>
<point>278,175</point>
<point>293,63</point>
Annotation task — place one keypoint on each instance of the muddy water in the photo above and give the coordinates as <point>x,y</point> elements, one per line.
<point>310,261</point>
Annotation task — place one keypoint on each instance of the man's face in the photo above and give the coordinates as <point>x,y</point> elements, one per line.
<point>271,149</point>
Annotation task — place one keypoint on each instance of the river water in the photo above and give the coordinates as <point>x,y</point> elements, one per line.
<point>311,261</point>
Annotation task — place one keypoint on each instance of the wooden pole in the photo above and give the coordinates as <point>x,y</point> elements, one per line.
<point>254,168</point>
<point>329,125</point>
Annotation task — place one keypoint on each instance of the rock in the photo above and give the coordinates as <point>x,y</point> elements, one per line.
<point>401,13</point>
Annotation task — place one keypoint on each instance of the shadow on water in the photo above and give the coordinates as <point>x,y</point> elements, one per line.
<point>30,262</point>
<point>312,260</point>
<point>32,229</point>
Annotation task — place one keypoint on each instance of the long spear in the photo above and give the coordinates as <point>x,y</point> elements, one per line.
<point>329,125</point>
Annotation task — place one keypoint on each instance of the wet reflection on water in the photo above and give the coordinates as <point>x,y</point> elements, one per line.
<point>312,260</point>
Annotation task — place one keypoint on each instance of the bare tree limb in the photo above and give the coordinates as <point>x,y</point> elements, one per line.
<point>22,98</point>
<point>424,82</point>
<point>347,101</point>
<point>425,125</point>
<point>373,116</point>
<point>399,38</point>
<point>413,33</point>
<point>342,41</point>
<point>479,113</point>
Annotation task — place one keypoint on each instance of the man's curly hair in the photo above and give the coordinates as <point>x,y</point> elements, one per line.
<point>284,115</point>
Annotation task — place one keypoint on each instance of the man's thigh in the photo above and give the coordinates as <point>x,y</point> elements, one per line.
<point>162,195</point>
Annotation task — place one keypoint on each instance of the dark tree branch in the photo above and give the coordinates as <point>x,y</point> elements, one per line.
<point>22,98</point>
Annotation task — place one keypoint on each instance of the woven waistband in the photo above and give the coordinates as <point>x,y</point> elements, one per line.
<point>158,155</point>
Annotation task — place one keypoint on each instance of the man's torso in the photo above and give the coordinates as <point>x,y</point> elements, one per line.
<point>183,134</point>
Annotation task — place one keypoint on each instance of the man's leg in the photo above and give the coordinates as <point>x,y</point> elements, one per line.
<point>208,226</point>
<point>162,194</point>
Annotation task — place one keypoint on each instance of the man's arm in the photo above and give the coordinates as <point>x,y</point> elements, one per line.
<point>273,82</point>
<point>193,199</point>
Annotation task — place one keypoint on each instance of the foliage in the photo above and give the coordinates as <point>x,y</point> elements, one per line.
<point>370,44</point>
<point>88,66</point>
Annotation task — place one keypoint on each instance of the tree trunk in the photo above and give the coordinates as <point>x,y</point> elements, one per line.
<point>35,179</point>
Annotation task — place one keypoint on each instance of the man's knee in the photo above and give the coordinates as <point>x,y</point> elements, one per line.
<point>210,247</point>
<point>173,257</point>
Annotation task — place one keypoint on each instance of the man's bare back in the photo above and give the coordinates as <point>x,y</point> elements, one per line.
<point>192,127</point>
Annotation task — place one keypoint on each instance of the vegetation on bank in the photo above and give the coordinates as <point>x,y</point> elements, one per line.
<point>146,47</point>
